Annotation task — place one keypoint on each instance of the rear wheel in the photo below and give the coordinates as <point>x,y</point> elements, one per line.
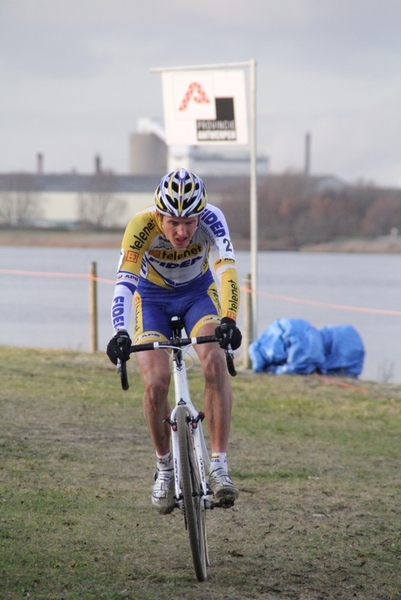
<point>194,506</point>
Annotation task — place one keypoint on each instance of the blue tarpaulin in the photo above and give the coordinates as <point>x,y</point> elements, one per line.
<point>344,350</point>
<point>295,346</point>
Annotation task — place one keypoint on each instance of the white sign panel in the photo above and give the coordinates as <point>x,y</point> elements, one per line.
<point>205,107</point>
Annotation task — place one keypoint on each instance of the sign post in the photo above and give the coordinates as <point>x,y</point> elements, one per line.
<point>206,105</point>
<point>253,202</point>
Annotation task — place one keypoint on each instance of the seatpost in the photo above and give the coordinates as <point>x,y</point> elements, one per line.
<point>176,326</point>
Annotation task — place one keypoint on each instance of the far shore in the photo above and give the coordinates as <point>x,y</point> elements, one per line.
<point>95,239</point>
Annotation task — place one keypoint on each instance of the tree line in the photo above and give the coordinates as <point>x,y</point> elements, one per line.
<point>293,213</point>
<point>292,210</point>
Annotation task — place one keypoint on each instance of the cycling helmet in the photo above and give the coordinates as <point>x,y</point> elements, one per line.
<point>181,194</point>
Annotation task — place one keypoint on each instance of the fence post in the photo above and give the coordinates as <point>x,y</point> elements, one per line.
<point>93,306</point>
<point>248,324</point>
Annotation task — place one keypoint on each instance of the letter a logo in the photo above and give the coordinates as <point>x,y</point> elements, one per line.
<point>195,92</point>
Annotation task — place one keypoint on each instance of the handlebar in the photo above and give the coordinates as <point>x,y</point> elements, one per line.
<point>173,343</point>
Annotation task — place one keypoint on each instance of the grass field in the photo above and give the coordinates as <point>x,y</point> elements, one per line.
<point>317,465</point>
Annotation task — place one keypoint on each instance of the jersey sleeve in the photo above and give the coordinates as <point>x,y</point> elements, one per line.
<point>134,244</point>
<point>223,257</point>
<point>121,308</point>
<point>230,293</point>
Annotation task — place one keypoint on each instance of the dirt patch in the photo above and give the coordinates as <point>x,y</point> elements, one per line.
<point>384,245</point>
<point>91,239</point>
<point>61,239</point>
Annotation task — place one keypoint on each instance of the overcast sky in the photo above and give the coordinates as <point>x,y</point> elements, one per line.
<point>75,78</point>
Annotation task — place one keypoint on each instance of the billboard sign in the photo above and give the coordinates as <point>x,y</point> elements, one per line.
<point>205,107</point>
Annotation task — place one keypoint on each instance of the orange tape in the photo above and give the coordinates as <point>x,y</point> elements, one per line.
<point>378,311</point>
<point>330,381</point>
<point>49,274</point>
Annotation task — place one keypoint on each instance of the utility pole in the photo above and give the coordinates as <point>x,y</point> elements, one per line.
<point>307,154</point>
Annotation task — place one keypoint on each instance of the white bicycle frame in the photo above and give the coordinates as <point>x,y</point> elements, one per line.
<point>182,398</point>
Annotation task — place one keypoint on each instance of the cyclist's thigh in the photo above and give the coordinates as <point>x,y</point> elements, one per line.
<point>152,322</point>
<point>204,313</point>
<point>155,368</point>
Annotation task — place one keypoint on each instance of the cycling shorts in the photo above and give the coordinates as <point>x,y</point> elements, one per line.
<point>197,304</point>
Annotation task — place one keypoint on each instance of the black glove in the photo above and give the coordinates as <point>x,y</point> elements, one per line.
<point>228,334</point>
<point>118,346</point>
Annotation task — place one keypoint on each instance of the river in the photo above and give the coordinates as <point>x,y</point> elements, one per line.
<point>44,297</point>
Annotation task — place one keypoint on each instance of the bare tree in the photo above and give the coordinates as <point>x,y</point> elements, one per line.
<point>21,203</point>
<point>99,207</point>
<point>292,212</point>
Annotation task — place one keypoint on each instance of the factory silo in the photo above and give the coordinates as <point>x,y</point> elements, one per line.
<point>148,154</point>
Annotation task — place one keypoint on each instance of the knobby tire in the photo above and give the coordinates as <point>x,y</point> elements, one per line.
<point>193,502</point>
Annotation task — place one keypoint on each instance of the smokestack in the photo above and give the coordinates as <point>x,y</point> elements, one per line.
<point>98,164</point>
<point>39,163</point>
<point>307,154</point>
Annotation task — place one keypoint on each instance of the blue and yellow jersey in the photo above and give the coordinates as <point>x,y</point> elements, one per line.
<point>146,253</point>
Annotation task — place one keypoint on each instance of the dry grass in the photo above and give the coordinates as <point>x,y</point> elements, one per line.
<point>60,239</point>
<point>96,239</point>
<point>318,467</point>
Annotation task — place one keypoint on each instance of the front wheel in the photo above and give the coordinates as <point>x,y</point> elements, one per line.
<point>194,506</point>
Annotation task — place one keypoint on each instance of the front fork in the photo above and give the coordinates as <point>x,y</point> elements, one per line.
<point>198,443</point>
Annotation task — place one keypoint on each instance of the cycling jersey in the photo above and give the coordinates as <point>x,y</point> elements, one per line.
<point>147,256</point>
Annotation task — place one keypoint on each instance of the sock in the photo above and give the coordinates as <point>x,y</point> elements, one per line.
<point>218,461</point>
<point>164,462</point>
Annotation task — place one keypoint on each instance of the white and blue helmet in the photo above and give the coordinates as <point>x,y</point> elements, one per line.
<point>181,194</point>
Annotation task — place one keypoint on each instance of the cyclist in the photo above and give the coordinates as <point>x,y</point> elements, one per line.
<point>164,271</point>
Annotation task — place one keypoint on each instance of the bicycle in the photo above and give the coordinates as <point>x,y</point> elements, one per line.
<point>190,455</point>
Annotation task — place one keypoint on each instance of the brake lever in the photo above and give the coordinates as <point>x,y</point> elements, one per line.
<point>122,371</point>
<point>230,361</point>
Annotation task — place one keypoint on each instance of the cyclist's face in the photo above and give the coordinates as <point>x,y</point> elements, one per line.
<point>179,230</point>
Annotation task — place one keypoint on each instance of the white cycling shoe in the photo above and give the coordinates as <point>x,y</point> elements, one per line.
<point>222,486</point>
<point>163,492</point>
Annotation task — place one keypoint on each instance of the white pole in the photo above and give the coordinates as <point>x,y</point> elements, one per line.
<point>253,200</point>
<point>93,306</point>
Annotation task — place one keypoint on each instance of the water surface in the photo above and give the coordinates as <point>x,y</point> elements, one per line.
<point>53,311</point>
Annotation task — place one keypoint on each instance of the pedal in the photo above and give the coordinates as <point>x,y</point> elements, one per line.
<point>222,504</point>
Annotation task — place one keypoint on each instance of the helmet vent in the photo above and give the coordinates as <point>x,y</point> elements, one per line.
<point>181,194</point>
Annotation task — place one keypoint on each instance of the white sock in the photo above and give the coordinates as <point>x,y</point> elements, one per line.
<point>164,462</point>
<point>219,461</point>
